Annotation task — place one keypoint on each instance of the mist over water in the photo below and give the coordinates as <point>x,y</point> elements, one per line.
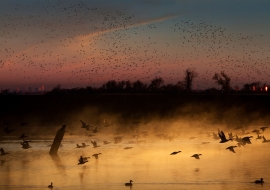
<point>153,131</point>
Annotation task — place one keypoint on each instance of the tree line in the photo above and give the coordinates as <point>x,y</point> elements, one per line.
<point>157,86</point>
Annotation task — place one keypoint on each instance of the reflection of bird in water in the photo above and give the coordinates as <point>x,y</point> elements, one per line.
<point>23,136</point>
<point>259,181</point>
<point>50,186</point>
<point>222,137</point>
<point>129,184</point>
<point>94,144</point>
<point>128,147</point>
<point>25,144</point>
<point>231,148</point>
<point>96,155</point>
<point>83,160</point>
<point>174,153</point>
<point>3,151</point>
<point>197,156</point>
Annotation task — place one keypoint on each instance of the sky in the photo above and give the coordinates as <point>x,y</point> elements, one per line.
<point>89,42</point>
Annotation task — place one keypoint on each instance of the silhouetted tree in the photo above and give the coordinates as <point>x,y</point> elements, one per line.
<point>223,80</point>
<point>128,86</point>
<point>56,90</point>
<point>110,86</point>
<point>156,84</point>
<point>5,92</point>
<point>139,86</point>
<point>190,74</point>
<point>180,86</point>
<point>170,89</point>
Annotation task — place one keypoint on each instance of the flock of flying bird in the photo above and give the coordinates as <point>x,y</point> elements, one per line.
<point>118,139</point>
<point>78,45</point>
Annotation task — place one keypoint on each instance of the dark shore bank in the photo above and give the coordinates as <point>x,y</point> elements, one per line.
<point>56,109</point>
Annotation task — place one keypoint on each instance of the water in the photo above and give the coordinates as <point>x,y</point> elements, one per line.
<point>148,164</point>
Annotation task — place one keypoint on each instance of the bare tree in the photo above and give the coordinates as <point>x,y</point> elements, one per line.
<point>223,80</point>
<point>139,86</point>
<point>190,74</point>
<point>156,84</point>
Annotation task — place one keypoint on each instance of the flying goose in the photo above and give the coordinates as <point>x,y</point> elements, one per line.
<point>231,148</point>
<point>83,160</point>
<point>196,156</point>
<point>222,137</point>
<point>94,144</point>
<point>96,155</point>
<point>174,153</point>
<point>264,140</point>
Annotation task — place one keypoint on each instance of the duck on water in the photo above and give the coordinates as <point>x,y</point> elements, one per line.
<point>129,184</point>
<point>259,181</point>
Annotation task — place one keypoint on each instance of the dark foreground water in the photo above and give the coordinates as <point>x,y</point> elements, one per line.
<point>148,163</point>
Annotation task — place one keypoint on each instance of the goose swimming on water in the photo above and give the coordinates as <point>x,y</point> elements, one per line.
<point>129,184</point>
<point>259,181</point>
<point>50,186</point>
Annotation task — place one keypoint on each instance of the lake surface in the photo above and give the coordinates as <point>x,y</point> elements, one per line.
<point>148,163</point>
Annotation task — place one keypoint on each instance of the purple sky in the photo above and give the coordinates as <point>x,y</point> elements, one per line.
<point>86,43</point>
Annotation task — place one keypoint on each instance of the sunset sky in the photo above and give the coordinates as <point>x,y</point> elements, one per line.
<point>86,43</point>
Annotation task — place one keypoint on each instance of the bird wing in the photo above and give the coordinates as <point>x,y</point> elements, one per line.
<point>222,135</point>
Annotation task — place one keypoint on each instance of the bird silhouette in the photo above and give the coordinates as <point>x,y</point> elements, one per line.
<point>3,152</point>
<point>129,184</point>
<point>231,148</point>
<point>176,152</point>
<point>222,137</point>
<point>259,181</point>
<point>197,156</point>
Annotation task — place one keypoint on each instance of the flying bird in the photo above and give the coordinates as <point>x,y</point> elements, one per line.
<point>174,153</point>
<point>197,156</point>
<point>231,148</point>
<point>96,155</point>
<point>222,137</point>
